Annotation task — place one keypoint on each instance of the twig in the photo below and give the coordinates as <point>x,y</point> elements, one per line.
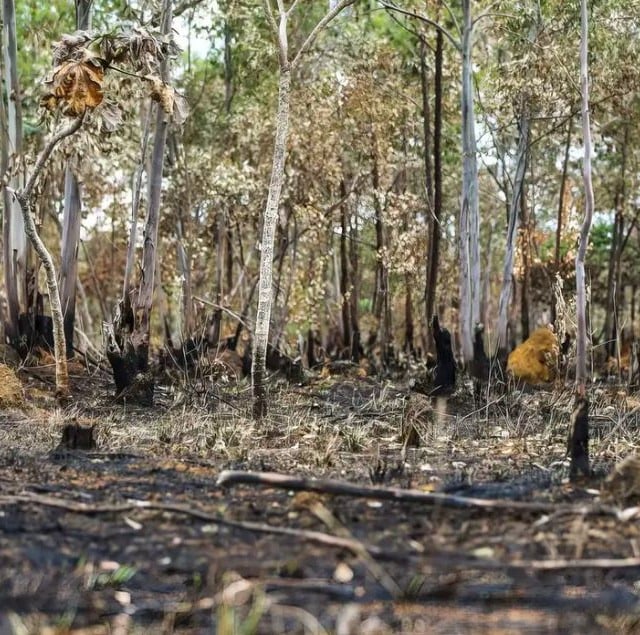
<point>341,488</point>
<point>318,537</point>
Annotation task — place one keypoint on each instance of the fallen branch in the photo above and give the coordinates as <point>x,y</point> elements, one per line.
<point>341,488</point>
<point>76,507</point>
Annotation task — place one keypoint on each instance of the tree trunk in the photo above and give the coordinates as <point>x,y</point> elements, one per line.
<point>355,287</point>
<point>381,299</point>
<point>125,325</point>
<point>434,239</point>
<point>526,273</point>
<point>344,270</point>
<point>579,442</point>
<point>130,360</point>
<point>408,317</point>
<point>24,198</point>
<point>265,296</point>
<point>563,186</point>
<point>512,236</point>
<point>72,217</point>
<point>469,211</point>
<point>613,304</point>
<point>15,252</point>
<point>428,182</point>
<point>184,267</point>
<point>215,326</point>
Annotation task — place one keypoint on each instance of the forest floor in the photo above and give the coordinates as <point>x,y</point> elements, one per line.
<point>137,536</point>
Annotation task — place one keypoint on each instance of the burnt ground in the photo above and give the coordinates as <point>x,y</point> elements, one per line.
<point>137,537</point>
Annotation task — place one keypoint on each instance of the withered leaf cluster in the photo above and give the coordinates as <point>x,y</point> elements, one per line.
<point>80,62</point>
<point>74,86</point>
<point>135,47</point>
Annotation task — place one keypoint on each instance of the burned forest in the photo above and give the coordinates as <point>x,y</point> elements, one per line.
<point>319,317</point>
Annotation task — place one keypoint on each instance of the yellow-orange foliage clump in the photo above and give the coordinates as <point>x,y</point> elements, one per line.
<point>10,389</point>
<point>536,359</point>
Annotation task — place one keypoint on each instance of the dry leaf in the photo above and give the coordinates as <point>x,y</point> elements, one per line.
<point>75,86</point>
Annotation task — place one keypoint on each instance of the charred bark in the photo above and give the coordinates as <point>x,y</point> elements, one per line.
<point>444,375</point>
<point>579,439</point>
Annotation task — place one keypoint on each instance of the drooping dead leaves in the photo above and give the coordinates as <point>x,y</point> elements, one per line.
<point>75,86</point>
<point>169,99</point>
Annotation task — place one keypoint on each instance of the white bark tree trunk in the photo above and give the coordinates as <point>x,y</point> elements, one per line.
<point>579,434</point>
<point>72,218</point>
<point>263,315</point>
<point>581,296</point>
<point>15,238</point>
<point>469,227</point>
<point>265,295</point>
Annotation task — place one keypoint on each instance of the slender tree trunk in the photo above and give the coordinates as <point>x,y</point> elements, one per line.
<point>434,249</point>
<point>126,312</point>
<point>512,236</point>
<point>563,186</point>
<point>614,278</point>
<point>24,198</point>
<point>526,268</point>
<point>215,326</point>
<point>344,269</point>
<point>581,298</point>
<point>261,334</point>
<point>408,317</point>
<point>469,211</point>
<point>184,267</point>
<point>377,300</point>
<point>580,434</point>
<point>72,217</point>
<point>355,287</point>
<point>228,261</point>
<point>428,178</point>
<point>15,253</point>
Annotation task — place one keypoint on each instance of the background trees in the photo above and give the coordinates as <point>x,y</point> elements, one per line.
<point>367,227</point>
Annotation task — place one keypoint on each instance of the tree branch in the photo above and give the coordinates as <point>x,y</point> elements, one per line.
<point>270,17</point>
<point>314,33</point>
<point>46,153</point>
<point>413,14</point>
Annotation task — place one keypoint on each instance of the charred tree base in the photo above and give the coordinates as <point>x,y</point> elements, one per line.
<point>444,374</point>
<point>579,439</point>
<point>34,331</point>
<point>134,383</point>
<point>77,437</point>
